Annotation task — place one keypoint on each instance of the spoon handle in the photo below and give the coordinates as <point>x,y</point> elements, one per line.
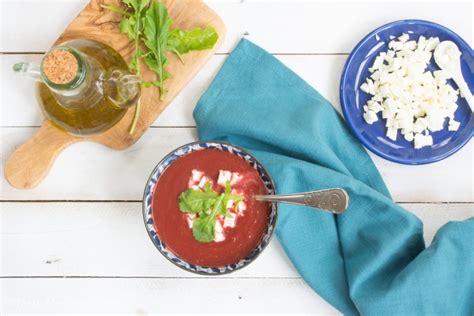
<point>331,200</point>
<point>465,91</point>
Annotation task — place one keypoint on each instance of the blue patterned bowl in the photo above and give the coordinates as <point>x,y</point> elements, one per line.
<point>148,198</point>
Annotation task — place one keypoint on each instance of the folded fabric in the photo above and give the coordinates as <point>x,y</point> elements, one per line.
<point>372,259</point>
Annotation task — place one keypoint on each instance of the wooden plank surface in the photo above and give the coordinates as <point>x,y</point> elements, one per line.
<point>109,239</point>
<point>143,296</point>
<point>325,27</point>
<point>89,171</point>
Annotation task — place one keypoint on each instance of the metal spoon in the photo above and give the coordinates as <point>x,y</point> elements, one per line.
<point>331,200</point>
<point>446,56</point>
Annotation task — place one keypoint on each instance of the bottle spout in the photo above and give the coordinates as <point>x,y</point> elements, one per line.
<point>29,69</point>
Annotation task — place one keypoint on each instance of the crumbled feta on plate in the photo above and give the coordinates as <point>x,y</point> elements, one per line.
<point>410,98</point>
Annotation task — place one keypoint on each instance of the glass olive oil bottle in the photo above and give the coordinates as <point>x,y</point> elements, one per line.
<point>84,87</point>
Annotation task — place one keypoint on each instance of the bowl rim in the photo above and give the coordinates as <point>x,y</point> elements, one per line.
<point>344,102</point>
<point>202,272</point>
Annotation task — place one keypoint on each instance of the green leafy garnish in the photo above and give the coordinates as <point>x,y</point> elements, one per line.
<point>181,42</point>
<point>157,24</point>
<point>132,24</point>
<point>208,204</point>
<point>203,227</point>
<point>147,24</point>
<point>195,201</point>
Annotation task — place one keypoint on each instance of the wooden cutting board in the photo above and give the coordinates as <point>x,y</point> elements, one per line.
<point>31,161</point>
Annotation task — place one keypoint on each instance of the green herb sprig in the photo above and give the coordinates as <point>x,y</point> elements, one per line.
<point>208,204</point>
<point>148,25</point>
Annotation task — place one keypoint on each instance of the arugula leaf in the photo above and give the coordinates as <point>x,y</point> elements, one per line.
<point>127,26</point>
<point>203,227</point>
<point>229,196</point>
<point>147,22</point>
<point>209,204</point>
<point>132,24</point>
<point>195,201</point>
<point>227,188</point>
<point>181,42</point>
<point>137,5</point>
<point>157,25</point>
<point>115,9</point>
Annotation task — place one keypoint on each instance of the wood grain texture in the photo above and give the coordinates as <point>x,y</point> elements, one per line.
<point>122,296</point>
<point>108,239</point>
<point>98,24</point>
<point>90,171</point>
<point>102,249</point>
<point>280,26</point>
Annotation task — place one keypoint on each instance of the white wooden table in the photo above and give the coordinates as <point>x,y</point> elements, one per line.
<point>77,243</point>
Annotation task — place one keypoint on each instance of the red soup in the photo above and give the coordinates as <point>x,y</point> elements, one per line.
<point>236,234</point>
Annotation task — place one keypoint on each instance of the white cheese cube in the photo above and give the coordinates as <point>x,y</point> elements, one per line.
<point>420,125</point>
<point>236,177</point>
<point>406,123</point>
<point>370,117</point>
<point>203,182</point>
<point>230,220</point>
<point>190,218</point>
<point>364,87</point>
<point>411,45</point>
<point>409,137</point>
<point>435,121</point>
<point>218,232</point>
<point>431,43</point>
<point>404,37</point>
<point>453,125</point>
<point>241,207</point>
<point>421,43</point>
<point>392,133</point>
<point>395,45</point>
<point>374,106</point>
<point>224,176</point>
<point>423,140</point>
<point>196,175</point>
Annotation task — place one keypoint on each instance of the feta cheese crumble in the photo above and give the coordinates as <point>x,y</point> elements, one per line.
<point>198,180</point>
<point>411,99</point>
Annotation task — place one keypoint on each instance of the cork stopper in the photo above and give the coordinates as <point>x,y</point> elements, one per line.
<point>60,66</point>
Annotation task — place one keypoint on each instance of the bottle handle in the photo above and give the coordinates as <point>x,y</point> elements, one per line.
<point>29,69</point>
<point>126,88</point>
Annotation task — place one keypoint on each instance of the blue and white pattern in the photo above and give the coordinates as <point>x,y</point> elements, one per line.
<point>148,197</point>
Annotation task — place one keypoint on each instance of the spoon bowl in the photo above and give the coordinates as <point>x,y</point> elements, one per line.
<point>447,57</point>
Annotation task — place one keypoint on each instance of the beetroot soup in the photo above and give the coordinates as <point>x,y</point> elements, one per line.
<point>234,222</point>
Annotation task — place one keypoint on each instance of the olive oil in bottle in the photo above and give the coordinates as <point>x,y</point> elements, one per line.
<point>84,87</point>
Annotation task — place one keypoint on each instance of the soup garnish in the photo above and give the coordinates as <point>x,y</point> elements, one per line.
<point>209,210</point>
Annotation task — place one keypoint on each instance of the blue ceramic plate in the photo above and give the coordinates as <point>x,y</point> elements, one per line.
<point>445,143</point>
<point>148,211</point>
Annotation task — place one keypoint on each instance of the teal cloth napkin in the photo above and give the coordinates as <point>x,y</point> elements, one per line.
<point>371,260</point>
